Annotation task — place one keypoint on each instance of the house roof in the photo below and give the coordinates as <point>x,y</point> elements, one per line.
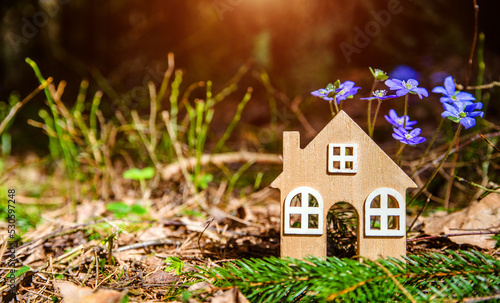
<point>341,129</point>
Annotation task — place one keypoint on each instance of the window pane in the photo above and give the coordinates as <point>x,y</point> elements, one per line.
<point>349,151</point>
<point>312,201</point>
<point>392,202</point>
<point>296,201</point>
<point>313,221</point>
<point>295,220</point>
<point>349,165</point>
<point>375,202</point>
<point>375,222</point>
<point>393,222</point>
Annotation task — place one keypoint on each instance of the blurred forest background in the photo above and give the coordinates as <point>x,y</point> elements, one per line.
<point>298,43</point>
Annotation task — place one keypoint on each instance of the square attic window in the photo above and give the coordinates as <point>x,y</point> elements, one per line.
<point>342,158</point>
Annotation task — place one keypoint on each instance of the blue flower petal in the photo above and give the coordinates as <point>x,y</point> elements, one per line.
<point>418,140</point>
<point>476,114</point>
<point>412,82</point>
<point>446,100</point>
<point>394,83</point>
<point>393,114</point>
<point>400,131</point>
<point>397,137</point>
<point>463,96</point>
<point>439,90</point>
<point>468,122</point>
<point>471,107</point>
<point>449,84</point>
<point>421,91</point>
<point>415,132</point>
<point>451,108</point>
<point>447,114</point>
<point>402,92</point>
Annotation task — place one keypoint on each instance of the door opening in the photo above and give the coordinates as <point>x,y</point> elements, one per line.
<point>342,230</point>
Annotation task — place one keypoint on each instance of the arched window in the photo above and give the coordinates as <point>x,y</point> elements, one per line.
<point>303,212</point>
<point>385,213</point>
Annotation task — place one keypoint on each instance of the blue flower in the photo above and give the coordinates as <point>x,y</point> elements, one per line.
<point>397,121</point>
<point>408,137</point>
<point>404,72</point>
<point>463,113</point>
<point>404,87</point>
<point>324,93</point>
<point>379,95</point>
<point>346,90</point>
<point>451,94</point>
<point>338,91</point>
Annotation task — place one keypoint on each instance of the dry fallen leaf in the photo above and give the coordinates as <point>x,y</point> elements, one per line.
<point>480,216</point>
<point>161,277</point>
<point>88,210</point>
<point>233,295</point>
<point>153,233</point>
<point>76,294</point>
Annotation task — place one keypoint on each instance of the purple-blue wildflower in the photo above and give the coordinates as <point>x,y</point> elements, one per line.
<point>408,137</point>
<point>397,121</point>
<point>451,94</point>
<point>404,87</point>
<point>324,93</point>
<point>463,112</point>
<point>346,90</point>
<point>379,95</point>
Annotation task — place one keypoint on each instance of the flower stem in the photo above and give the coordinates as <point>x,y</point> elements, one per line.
<point>336,106</point>
<point>331,108</point>
<point>400,150</point>
<point>428,147</point>
<point>376,114</point>
<point>405,112</point>
<point>452,172</point>
<point>434,173</point>
<point>370,132</point>
<point>474,41</point>
<point>370,129</point>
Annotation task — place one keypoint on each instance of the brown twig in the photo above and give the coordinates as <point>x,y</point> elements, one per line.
<point>488,141</point>
<point>472,139</point>
<point>474,40</point>
<point>201,234</point>
<point>18,105</point>
<point>174,169</point>
<point>452,172</point>
<point>484,86</point>
<point>454,235</point>
<point>398,284</point>
<point>147,243</point>
<point>420,213</point>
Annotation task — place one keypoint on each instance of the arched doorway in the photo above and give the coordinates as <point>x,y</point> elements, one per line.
<point>342,230</point>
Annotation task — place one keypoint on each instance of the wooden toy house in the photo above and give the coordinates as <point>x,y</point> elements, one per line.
<point>341,164</point>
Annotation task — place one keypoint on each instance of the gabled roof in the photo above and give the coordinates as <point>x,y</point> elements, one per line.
<point>342,129</point>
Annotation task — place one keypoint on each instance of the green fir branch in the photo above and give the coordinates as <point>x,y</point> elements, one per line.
<point>433,277</point>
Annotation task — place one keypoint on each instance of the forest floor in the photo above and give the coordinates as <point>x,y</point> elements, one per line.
<point>71,249</point>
